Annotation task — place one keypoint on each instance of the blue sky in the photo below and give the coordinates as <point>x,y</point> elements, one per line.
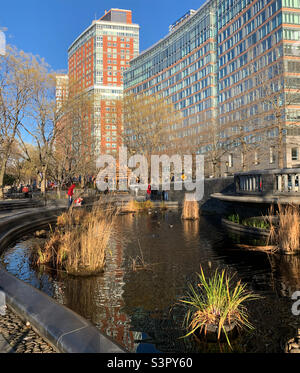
<point>48,27</point>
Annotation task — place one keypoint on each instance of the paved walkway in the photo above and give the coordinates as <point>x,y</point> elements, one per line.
<point>17,337</point>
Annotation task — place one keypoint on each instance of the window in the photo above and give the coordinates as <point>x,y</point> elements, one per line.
<point>294,154</point>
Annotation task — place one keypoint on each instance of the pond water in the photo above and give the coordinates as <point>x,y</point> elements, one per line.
<point>139,307</point>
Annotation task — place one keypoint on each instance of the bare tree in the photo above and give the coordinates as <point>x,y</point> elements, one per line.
<point>147,124</point>
<point>42,118</point>
<point>214,146</point>
<point>74,142</point>
<point>15,94</point>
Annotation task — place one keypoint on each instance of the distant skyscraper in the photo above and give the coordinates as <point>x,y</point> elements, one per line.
<point>97,60</point>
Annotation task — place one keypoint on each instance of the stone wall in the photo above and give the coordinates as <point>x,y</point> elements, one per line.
<point>208,205</point>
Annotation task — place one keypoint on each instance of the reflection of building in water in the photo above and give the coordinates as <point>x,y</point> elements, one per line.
<point>286,270</point>
<point>99,298</point>
<point>110,317</point>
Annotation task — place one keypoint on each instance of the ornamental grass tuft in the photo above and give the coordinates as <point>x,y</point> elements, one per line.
<point>217,301</point>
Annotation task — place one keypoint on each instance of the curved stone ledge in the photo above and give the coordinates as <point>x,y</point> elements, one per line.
<point>62,328</point>
<point>14,227</point>
<point>267,199</point>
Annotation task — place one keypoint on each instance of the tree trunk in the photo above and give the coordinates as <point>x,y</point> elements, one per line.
<point>44,184</point>
<point>244,156</point>
<point>214,163</point>
<point>59,191</point>
<point>280,148</point>
<point>82,182</point>
<point>2,173</point>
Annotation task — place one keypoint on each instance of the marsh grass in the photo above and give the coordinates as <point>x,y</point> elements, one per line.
<point>130,206</point>
<point>89,244</point>
<point>78,244</point>
<point>190,210</point>
<point>72,217</point>
<point>285,230</point>
<point>135,206</point>
<point>217,301</point>
<point>138,263</point>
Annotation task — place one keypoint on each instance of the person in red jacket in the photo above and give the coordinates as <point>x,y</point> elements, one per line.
<point>149,192</point>
<point>70,194</point>
<point>25,190</point>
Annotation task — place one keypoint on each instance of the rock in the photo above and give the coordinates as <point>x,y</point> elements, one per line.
<point>41,233</point>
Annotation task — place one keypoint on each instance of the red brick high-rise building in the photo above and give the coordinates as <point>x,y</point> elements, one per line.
<point>96,62</point>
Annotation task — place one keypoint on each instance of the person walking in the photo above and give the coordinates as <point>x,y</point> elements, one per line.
<point>70,194</point>
<point>149,192</point>
<point>25,190</point>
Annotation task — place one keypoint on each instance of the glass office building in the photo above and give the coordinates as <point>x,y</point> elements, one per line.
<point>232,68</point>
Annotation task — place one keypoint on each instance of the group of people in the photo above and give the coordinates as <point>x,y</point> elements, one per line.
<point>151,193</point>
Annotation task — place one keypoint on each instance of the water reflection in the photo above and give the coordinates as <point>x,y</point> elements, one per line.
<point>138,307</point>
<point>190,229</point>
<point>285,274</point>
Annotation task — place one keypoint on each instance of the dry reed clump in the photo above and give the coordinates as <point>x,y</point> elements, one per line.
<point>71,217</point>
<point>131,206</point>
<point>48,253</point>
<point>89,247</point>
<point>190,210</point>
<point>135,206</point>
<point>79,249</point>
<point>285,232</point>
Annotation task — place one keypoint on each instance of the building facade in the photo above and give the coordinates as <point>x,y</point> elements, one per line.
<point>97,60</point>
<point>232,68</point>
<point>62,89</point>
